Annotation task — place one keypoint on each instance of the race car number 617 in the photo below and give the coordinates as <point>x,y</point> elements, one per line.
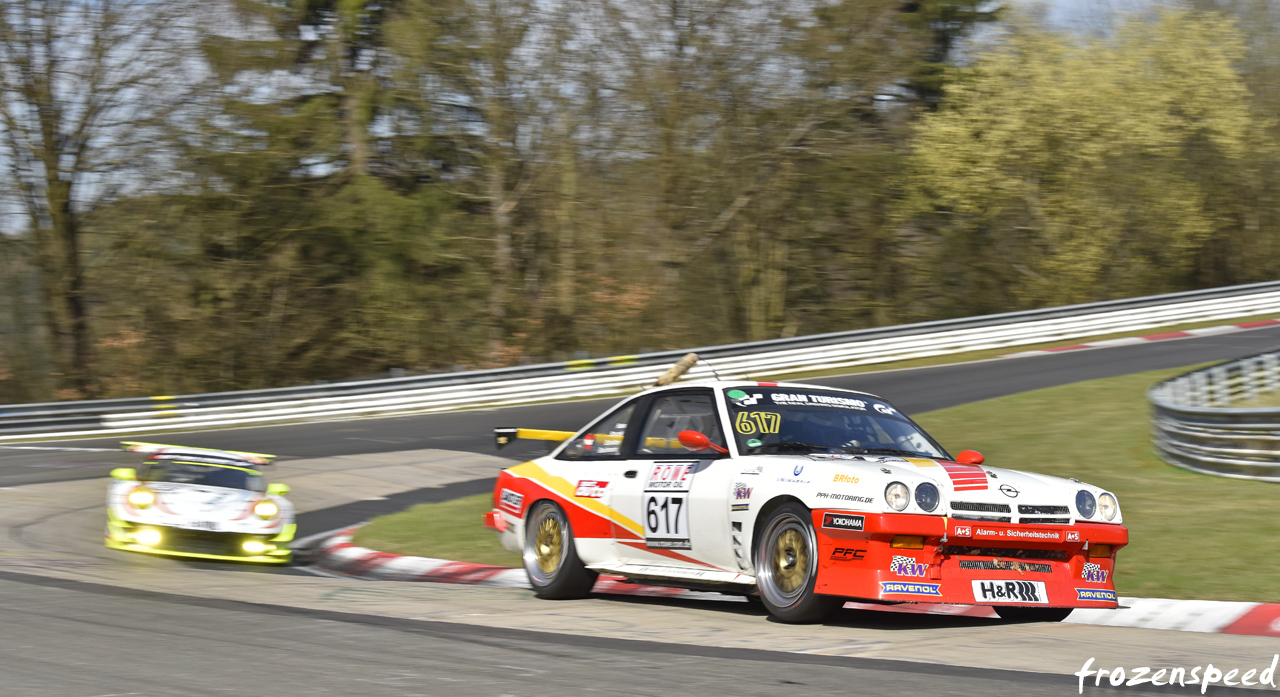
<point>666,521</point>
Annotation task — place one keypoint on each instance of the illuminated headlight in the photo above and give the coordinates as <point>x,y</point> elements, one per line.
<point>141,497</point>
<point>147,536</point>
<point>927,497</point>
<point>1108,507</point>
<point>1085,504</point>
<point>266,509</point>
<point>897,495</point>
<point>255,546</point>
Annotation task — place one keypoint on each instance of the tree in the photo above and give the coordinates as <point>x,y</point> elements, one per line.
<point>85,89</point>
<point>1065,171</point>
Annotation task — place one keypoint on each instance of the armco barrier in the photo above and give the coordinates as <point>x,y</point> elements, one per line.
<point>598,377</point>
<point>1198,422</point>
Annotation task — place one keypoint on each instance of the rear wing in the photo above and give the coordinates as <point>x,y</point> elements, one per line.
<point>134,446</point>
<point>502,437</point>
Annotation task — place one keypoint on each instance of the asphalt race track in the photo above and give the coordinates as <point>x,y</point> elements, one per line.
<point>80,620</point>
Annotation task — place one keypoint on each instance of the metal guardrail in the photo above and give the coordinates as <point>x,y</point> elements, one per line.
<point>1198,423</point>
<point>605,376</point>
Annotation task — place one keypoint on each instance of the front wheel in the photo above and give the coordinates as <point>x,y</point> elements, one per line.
<point>787,567</point>
<point>1032,614</point>
<point>550,559</point>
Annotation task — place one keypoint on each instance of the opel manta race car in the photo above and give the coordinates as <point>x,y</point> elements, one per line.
<point>805,496</point>
<point>193,502</point>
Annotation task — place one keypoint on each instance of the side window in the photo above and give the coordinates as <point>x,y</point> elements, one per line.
<point>673,413</point>
<point>603,441</point>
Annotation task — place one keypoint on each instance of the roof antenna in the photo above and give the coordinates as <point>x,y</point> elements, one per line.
<point>712,368</point>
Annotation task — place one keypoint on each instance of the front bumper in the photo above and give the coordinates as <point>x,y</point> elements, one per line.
<point>967,562</point>
<point>199,544</point>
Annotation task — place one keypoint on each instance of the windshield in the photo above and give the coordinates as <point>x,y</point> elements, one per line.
<point>205,475</point>
<point>772,420</point>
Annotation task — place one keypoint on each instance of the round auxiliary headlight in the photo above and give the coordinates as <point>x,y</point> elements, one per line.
<point>141,497</point>
<point>147,536</point>
<point>1085,505</point>
<point>1108,506</point>
<point>897,495</point>
<point>266,509</point>
<point>255,547</point>
<point>927,497</point>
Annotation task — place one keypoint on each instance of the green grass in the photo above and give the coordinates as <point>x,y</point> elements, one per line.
<point>1191,535</point>
<point>449,530</point>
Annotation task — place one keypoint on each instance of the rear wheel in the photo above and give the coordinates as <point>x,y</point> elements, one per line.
<point>550,559</point>
<point>787,567</point>
<point>1032,614</point>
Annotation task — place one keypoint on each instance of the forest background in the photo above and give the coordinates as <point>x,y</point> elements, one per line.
<point>236,194</point>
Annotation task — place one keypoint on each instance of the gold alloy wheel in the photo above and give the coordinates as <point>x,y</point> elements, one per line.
<point>548,545</point>
<point>790,560</point>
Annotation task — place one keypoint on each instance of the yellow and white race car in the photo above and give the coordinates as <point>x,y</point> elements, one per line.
<point>196,502</point>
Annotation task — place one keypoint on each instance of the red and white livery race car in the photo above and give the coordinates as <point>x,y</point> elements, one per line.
<point>805,496</point>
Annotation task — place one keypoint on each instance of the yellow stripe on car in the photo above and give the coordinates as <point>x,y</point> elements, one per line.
<point>562,486</point>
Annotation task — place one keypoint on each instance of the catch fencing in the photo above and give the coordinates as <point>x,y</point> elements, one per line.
<point>616,374</point>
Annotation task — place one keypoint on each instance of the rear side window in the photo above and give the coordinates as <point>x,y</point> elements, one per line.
<point>673,413</point>
<point>604,440</point>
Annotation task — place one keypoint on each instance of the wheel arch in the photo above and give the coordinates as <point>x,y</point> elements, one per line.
<point>763,515</point>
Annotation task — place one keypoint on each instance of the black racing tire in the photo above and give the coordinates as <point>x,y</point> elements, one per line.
<point>550,557</point>
<point>786,561</point>
<point>1018,613</point>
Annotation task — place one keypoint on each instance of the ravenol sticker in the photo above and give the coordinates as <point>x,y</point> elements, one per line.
<point>904,588</point>
<point>511,500</point>
<point>1096,594</point>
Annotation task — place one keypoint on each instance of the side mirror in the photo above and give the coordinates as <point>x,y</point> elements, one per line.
<point>970,457</point>
<point>125,474</point>
<point>278,489</point>
<point>697,442</point>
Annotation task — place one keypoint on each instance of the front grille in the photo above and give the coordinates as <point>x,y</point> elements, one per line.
<point>980,507</point>
<point>983,565</point>
<point>983,518</point>
<point>1044,510</point>
<point>202,542</point>
<point>1045,521</point>
<point>1006,552</point>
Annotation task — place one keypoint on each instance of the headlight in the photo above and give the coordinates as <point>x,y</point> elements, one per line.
<point>266,508</point>
<point>897,495</point>
<point>141,497</point>
<point>1085,504</point>
<point>147,536</point>
<point>255,546</point>
<point>1108,506</point>
<point>927,497</point>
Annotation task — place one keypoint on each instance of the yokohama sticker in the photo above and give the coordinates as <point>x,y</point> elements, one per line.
<point>842,521</point>
<point>1010,592</point>
<point>511,501</point>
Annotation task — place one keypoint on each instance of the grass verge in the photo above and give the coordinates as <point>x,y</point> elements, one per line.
<point>1192,535</point>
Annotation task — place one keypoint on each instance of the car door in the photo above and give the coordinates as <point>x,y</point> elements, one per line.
<point>660,490</point>
<point>593,463</point>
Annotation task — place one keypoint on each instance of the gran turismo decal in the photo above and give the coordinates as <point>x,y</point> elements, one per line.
<point>511,501</point>
<point>908,566</point>
<point>590,489</point>
<point>1006,592</point>
<point>1096,594</point>
<point>906,588</point>
<point>841,521</point>
<point>848,554</point>
<point>1093,573</point>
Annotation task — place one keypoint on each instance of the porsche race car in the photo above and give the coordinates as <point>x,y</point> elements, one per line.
<point>803,496</point>
<point>196,502</point>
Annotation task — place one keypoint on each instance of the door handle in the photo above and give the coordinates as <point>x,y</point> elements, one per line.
<point>629,474</point>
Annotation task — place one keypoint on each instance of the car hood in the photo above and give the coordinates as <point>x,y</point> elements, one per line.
<point>204,502</point>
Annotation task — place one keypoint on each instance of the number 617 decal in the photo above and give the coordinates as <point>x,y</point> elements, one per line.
<point>666,521</point>
<point>749,422</point>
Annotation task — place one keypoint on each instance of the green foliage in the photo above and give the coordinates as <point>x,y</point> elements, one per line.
<point>1061,170</point>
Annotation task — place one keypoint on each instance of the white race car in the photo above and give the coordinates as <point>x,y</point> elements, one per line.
<point>195,502</point>
<point>806,496</point>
